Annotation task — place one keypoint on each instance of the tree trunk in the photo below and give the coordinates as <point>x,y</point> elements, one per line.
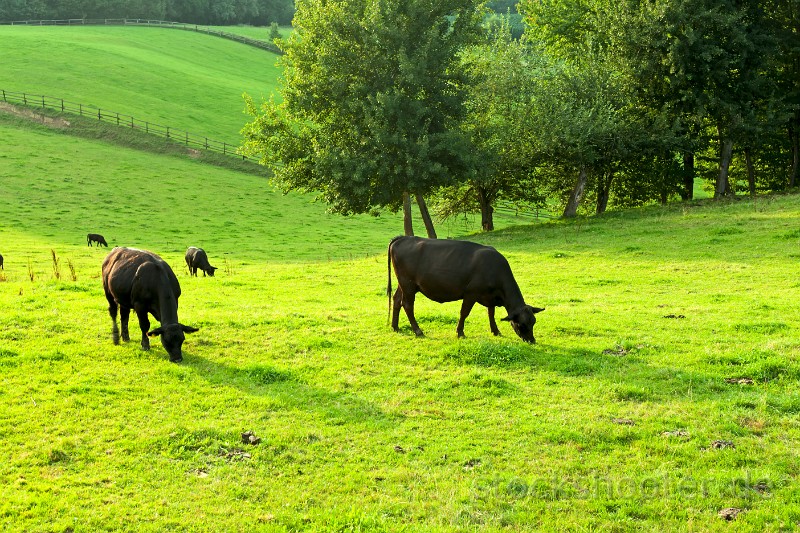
<point>688,176</point>
<point>426,216</point>
<point>576,196</point>
<point>794,135</point>
<point>751,173</point>
<point>487,211</point>
<point>603,192</point>
<point>726,153</point>
<point>408,227</point>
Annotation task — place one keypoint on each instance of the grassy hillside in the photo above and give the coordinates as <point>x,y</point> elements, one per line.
<point>176,78</point>
<point>664,386</point>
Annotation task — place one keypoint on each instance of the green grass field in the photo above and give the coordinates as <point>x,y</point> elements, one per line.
<point>186,80</point>
<point>663,388</point>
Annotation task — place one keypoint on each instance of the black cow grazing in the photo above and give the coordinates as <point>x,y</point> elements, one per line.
<point>96,237</point>
<point>1,263</point>
<point>142,281</point>
<point>446,271</point>
<point>197,258</point>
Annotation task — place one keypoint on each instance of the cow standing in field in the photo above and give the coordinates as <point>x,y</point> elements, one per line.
<point>142,281</point>
<point>197,258</point>
<point>447,271</point>
<point>1,263</point>
<point>96,237</point>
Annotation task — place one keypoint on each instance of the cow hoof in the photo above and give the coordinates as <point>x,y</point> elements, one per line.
<point>419,333</point>
<point>176,359</point>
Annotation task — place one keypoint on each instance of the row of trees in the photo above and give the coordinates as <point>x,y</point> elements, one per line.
<point>215,12</point>
<point>599,104</point>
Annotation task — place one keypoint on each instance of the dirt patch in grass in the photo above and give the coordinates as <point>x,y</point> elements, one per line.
<point>30,114</point>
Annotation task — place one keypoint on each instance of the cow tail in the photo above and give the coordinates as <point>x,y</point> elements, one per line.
<point>389,283</point>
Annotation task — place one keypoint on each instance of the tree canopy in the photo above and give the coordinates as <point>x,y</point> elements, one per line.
<point>372,101</point>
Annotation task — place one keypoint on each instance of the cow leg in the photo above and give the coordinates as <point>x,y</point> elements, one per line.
<point>124,314</point>
<point>112,310</point>
<point>466,307</point>
<point>397,300</point>
<point>492,323</point>
<point>408,305</point>
<point>144,324</point>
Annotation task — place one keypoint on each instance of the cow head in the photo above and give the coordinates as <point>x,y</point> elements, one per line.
<point>522,320</point>
<point>172,337</point>
<point>211,270</point>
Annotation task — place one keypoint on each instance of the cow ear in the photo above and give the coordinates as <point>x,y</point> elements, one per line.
<point>156,332</point>
<point>189,329</point>
<point>535,310</point>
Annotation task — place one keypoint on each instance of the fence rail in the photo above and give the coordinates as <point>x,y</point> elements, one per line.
<point>177,135</point>
<point>264,45</point>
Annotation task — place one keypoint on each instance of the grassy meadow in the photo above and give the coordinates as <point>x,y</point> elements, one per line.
<point>186,80</point>
<point>662,390</point>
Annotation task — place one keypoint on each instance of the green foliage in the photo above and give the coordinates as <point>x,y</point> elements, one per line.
<point>370,103</point>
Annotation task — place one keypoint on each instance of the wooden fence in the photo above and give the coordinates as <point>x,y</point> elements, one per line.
<point>265,45</point>
<point>183,137</point>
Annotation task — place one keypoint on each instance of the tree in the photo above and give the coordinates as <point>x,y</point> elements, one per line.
<point>372,99</point>
<point>500,74</point>
<point>587,126</point>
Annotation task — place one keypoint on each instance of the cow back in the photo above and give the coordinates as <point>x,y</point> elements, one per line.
<point>129,273</point>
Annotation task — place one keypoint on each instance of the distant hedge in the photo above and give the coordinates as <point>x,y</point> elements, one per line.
<point>209,12</point>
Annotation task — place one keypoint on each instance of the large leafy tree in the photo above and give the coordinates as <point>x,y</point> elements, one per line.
<point>500,88</point>
<point>372,101</point>
<point>587,126</point>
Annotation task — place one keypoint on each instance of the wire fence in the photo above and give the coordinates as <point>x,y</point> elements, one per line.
<point>177,135</point>
<point>265,45</point>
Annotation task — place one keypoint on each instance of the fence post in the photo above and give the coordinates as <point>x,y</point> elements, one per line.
<point>62,105</point>
<point>147,127</point>
<point>43,106</point>
<point>99,115</point>
<point>4,96</point>
<point>187,138</point>
<point>117,119</point>
<point>24,99</point>
<point>167,132</point>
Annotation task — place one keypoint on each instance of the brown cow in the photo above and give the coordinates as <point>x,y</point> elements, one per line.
<point>142,281</point>
<point>95,237</point>
<point>446,271</point>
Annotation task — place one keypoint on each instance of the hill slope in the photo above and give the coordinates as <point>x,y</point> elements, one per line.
<point>182,79</point>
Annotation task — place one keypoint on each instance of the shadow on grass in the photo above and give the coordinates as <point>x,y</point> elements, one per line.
<point>628,377</point>
<point>289,389</point>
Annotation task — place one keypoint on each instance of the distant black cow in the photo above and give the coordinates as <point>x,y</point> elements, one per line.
<point>142,281</point>
<point>1,262</point>
<point>445,271</point>
<point>96,237</point>
<point>197,258</point>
